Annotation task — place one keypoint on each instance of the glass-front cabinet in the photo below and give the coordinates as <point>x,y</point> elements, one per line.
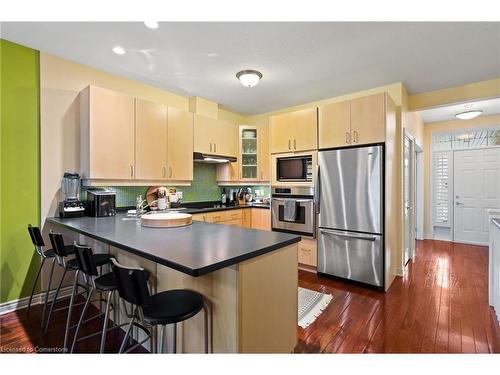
<point>249,153</point>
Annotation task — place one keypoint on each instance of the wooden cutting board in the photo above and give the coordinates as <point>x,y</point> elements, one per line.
<point>166,220</point>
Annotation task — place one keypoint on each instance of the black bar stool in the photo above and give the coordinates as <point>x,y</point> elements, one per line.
<point>87,265</point>
<point>169,307</point>
<point>39,244</point>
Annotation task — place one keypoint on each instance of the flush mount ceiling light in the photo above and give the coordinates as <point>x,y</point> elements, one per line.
<point>151,24</point>
<point>119,50</point>
<point>468,113</point>
<point>249,78</point>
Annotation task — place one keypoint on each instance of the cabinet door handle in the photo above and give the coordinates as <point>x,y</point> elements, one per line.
<point>355,137</point>
<point>163,172</point>
<point>131,170</point>
<point>262,175</point>
<point>289,145</point>
<point>294,144</point>
<point>347,137</point>
<point>215,147</point>
<point>169,172</point>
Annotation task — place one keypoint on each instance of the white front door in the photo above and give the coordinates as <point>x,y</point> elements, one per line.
<point>476,175</point>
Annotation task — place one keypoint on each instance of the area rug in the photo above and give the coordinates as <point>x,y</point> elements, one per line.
<point>311,305</point>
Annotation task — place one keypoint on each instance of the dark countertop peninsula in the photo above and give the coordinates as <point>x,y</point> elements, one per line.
<point>196,250</point>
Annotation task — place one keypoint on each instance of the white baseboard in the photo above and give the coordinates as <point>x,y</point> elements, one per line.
<point>22,303</point>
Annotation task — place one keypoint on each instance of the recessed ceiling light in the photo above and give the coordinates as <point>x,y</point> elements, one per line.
<point>119,50</point>
<point>249,77</point>
<point>467,115</point>
<point>151,24</point>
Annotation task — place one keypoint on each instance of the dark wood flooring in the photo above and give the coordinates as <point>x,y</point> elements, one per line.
<point>441,306</point>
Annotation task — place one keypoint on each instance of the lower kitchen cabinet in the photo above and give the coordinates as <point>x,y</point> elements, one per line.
<point>261,219</point>
<point>307,252</point>
<point>255,218</point>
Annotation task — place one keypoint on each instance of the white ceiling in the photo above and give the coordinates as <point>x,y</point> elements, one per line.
<point>301,62</point>
<point>489,107</point>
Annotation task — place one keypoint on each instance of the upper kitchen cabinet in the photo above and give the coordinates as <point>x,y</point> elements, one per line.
<point>249,152</point>
<point>150,140</point>
<point>294,131</point>
<point>368,118</point>
<point>212,136</point>
<point>334,124</point>
<point>180,145</point>
<point>107,134</point>
<point>353,122</point>
<point>264,162</point>
<point>228,146</point>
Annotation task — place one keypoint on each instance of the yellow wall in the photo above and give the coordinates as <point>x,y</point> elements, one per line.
<point>472,91</point>
<point>445,126</point>
<point>60,82</point>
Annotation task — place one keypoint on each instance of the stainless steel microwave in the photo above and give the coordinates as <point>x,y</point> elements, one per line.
<point>294,168</point>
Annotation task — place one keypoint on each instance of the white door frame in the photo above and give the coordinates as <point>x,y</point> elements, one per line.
<point>412,196</point>
<point>419,191</point>
<point>431,233</point>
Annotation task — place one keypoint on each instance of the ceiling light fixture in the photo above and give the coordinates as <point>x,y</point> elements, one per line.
<point>249,78</point>
<point>119,50</point>
<point>151,24</point>
<point>467,115</point>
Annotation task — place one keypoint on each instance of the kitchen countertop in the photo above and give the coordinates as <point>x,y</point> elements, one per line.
<point>196,250</point>
<point>196,210</point>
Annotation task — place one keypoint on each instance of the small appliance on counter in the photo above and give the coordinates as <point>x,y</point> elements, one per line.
<point>71,206</point>
<point>101,203</point>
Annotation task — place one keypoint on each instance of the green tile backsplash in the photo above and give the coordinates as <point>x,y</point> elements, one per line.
<point>203,188</point>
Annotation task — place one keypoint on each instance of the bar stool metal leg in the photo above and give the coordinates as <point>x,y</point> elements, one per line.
<point>54,300</point>
<point>84,311</point>
<point>34,285</point>
<point>122,346</point>
<point>174,344</point>
<point>105,325</point>
<point>48,291</point>
<point>205,328</point>
<point>70,308</point>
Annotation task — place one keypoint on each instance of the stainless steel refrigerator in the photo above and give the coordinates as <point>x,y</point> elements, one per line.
<point>350,214</point>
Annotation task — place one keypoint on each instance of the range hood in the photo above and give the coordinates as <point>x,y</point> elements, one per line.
<point>199,157</point>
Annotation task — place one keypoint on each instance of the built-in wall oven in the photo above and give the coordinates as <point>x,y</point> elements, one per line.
<point>292,210</point>
<point>297,168</point>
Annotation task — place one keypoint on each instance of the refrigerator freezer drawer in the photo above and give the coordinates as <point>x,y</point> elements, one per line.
<point>351,255</point>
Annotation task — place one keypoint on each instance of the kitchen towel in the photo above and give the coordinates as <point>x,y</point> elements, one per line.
<point>290,210</point>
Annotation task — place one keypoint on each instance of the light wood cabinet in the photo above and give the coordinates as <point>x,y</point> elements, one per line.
<point>150,140</point>
<point>368,119</point>
<point>107,134</point>
<point>264,163</point>
<point>212,136</point>
<point>334,124</point>
<point>247,218</point>
<point>180,145</point>
<point>294,131</point>
<point>307,252</point>
<point>358,121</point>
<point>261,218</point>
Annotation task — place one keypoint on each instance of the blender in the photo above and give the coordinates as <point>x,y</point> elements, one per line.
<point>71,206</point>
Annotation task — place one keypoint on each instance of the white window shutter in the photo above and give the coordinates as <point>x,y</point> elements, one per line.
<point>442,205</point>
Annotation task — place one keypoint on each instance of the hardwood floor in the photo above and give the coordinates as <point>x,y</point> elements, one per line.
<point>441,306</point>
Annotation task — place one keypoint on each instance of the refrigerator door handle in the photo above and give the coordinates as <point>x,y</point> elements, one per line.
<point>318,190</point>
<point>347,235</point>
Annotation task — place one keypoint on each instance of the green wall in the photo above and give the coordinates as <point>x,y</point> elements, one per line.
<point>19,167</point>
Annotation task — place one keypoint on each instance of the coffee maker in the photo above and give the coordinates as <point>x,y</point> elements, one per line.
<point>71,206</point>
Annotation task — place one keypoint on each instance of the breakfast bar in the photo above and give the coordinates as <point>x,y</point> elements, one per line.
<point>247,276</point>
